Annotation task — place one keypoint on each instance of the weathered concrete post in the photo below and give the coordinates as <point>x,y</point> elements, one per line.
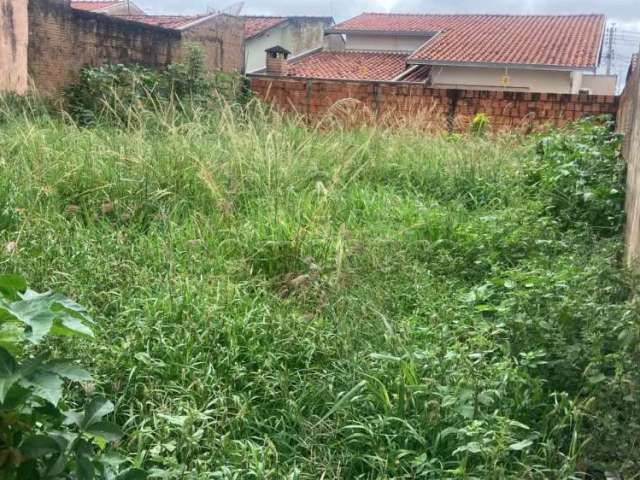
<point>629,124</point>
<point>14,38</point>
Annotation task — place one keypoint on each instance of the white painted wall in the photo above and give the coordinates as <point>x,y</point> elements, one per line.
<point>385,42</point>
<point>547,81</point>
<point>295,35</point>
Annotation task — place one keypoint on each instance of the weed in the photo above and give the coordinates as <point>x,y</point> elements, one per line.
<point>275,301</point>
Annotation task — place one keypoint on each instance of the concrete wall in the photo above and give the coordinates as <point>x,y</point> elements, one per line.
<point>600,84</point>
<point>297,35</point>
<point>481,78</point>
<point>222,39</point>
<point>63,40</point>
<point>398,43</point>
<point>431,108</point>
<point>629,124</point>
<point>13,46</point>
<point>334,42</point>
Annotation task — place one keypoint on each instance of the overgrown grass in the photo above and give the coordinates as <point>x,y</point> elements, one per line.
<point>278,302</point>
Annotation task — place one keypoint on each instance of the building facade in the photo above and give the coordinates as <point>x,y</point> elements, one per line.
<point>518,53</point>
<point>296,34</point>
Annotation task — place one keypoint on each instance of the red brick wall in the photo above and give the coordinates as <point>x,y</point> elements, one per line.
<point>423,106</point>
<point>62,40</point>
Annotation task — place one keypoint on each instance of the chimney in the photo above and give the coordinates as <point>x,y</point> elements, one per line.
<point>277,63</point>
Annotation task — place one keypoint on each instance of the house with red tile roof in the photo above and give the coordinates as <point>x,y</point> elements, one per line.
<point>110,7</point>
<point>296,34</point>
<point>529,53</point>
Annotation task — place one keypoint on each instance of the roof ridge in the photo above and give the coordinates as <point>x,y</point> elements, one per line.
<point>288,16</point>
<point>162,15</point>
<point>361,51</point>
<point>408,14</point>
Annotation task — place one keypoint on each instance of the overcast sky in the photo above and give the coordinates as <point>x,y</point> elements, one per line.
<point>622,10</point>
<point>626,13</point>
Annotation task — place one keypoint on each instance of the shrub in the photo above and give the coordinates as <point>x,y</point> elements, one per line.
<point>579,174</point>
<point>39,436</point>
<point>122,93</point>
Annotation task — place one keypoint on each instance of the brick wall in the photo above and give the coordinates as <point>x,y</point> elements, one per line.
<point>431,108</point>
<point>63,40</point>
<point>13,46</point>
<point>629,124</point>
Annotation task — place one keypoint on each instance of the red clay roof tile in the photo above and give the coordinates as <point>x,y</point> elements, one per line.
<point>546,40</point>
<point>165,21</point>
<point>349,65</point>
<point>91,6</point>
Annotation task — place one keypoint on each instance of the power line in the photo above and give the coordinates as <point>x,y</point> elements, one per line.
<point>610,50</point>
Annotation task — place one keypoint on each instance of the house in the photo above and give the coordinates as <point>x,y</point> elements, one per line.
<point>296,34</point>
<point>528,53</point>
<point>109,7</point>
<point>50,41</point>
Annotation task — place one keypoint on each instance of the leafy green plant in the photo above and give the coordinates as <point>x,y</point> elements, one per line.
<point>39,438</point>
<point>579,173</point>
<point>284,302</point>
<point>123,93</point>
<point>480,124</point>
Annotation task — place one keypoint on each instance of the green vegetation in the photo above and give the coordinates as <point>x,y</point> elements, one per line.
<point>38,438</point>
<point>275,302</point>
<point>132,95</point>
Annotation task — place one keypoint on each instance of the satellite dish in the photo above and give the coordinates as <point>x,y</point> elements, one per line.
<point>234,9</point>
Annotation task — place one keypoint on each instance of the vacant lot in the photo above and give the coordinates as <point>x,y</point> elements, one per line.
<point>278,302</point>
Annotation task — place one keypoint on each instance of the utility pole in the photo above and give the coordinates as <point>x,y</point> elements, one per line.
<point>610,48</point>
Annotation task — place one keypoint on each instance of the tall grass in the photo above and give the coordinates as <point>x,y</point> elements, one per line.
<point>278,301</point>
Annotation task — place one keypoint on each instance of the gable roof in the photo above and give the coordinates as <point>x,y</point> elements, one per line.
<point>93,6</point>
<point>256,25</point>
<point>349,65</point>
<point>564,41</point>
<point>173,22</point>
